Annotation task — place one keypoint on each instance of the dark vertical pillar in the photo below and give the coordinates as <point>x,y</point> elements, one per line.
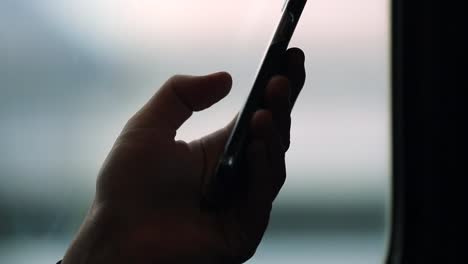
<point>430,120</point>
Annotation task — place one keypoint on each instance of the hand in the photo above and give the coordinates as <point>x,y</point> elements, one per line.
<point>148,194</point>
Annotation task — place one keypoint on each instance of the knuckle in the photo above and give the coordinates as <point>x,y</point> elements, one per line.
<point>241,245</point>
<point>248,254</point>
<point>287,144</point>
<point>243,255</point>
<point>174,79</point>
<point>282,180</point>
<point>133,121</point>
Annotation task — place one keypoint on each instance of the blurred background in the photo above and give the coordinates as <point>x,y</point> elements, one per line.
<point>73,72</point>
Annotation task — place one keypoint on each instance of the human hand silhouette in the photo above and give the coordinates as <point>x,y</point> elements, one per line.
<point>147,207</point>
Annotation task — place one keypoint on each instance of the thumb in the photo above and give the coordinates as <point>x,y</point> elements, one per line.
<point>178,98</point>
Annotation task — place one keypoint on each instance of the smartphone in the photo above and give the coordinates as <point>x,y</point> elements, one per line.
<point>230,180</point>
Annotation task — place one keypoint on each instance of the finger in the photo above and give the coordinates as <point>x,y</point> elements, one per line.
<point>295,71</point>
<point>266,170</point>
<point>210,148</point>
<point>277,100</point>
<point>276,154</point>
<point>178,98</point>
<point>245,223</point>
<point>265,186</point>
<point>254,212</point>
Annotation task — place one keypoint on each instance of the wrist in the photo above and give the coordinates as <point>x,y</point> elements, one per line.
<point>94,242</point>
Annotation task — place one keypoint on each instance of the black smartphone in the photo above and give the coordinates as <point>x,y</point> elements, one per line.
<point>230,178</point>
